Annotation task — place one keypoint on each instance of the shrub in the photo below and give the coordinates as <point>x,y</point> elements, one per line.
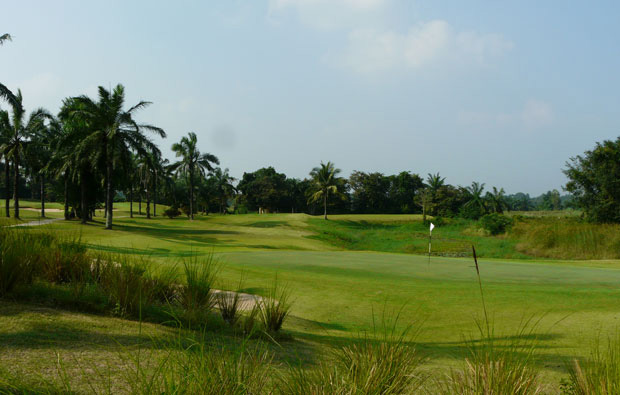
<point>172,212</point>
<point>274,308</point>
<point>495,223</point>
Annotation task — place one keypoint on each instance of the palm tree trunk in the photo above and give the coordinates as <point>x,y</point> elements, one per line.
<point>109,197</point>
<point>42,196</point>
<point>131,201</point>
<point>140,203</point>
<point>155,196</point>
<point>7,184</point>
<point>191,196</point>
<point>83,203</point>
<point>16,185</point>
<point>325,204</point>
<point>148,204</point>
<point>66,196</point>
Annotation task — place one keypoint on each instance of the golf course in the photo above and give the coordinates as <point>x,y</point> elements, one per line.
<point>559,307</point>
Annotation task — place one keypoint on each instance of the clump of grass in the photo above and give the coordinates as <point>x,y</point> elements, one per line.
<point>493,368</point>
<point>249,321</point>
<point>386,363</point>
<point>126,282</point>
<point>229,304</point>
<point>274,307</point>
<point>197,368</point>
<point>496,366</point>
<point>197,296</point>
<point>598,374</point>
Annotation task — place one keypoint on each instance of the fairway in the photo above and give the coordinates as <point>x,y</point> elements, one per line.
<point>339,295</point>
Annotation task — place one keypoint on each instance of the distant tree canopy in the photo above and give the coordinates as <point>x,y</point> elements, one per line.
<point>594,181</point>
<point>377,193</point>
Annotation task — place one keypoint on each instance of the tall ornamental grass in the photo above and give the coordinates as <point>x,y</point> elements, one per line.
<point>599,374</point>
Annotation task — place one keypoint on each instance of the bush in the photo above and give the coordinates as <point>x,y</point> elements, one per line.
<point>172,212</point>
<point>495,223</point>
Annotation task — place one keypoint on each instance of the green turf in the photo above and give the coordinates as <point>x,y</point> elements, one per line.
<point>336,291</point>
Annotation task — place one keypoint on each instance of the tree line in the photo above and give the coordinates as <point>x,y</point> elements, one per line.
<point>94,153</point>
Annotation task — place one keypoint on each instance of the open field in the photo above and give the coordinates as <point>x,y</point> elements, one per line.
<point>338,285</point>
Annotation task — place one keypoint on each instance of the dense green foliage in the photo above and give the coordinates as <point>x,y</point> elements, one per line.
<point>495,223</point>
<point>593,180</point>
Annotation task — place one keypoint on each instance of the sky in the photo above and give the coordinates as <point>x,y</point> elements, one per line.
<point>497,92</point>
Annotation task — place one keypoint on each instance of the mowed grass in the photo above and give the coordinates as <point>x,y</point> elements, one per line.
<point>336,292</point>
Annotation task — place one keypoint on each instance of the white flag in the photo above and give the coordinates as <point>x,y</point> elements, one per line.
<point>432,226</point>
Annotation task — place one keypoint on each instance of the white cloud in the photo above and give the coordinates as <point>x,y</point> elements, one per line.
<point>535,114</point>
<point>371,50</point>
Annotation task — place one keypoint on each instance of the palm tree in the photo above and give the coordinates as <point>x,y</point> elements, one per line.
<point>5,93</point>
<point>5,37</point>
<point>146,168</point>
<point>5,130</point>
<point>192,162</point>
<point>223,186</point>
<point>73,162</point>
<point>39,153</point>
<point>114,130</point>
<point>325,180</point>
<point>497,199</point>
<point>476,198</point>
<point>18,137</point>
<point>434,182</point>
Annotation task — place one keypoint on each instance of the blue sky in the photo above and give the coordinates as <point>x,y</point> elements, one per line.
<point>497,92</point>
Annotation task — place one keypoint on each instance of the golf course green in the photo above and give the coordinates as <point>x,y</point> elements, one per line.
<point>338,294</point>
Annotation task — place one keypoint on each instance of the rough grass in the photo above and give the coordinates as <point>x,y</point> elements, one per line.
<point>567,238</point>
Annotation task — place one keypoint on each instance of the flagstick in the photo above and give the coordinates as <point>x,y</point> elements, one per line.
<point>430,237</point>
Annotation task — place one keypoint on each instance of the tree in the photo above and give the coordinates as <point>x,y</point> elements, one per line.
<point>403,188</point>
<point>475,207</point>
<point>223,186</point>
<point>5,131</point>
<point>369,192</point>
<point>263,190</point>
<point>5,93</point>
<point>325,181</point>
<point>192,162</point>
<point>19,132</point>
<point>5,37</point>
<point>497,200</point>
<point>39,154</point>
<point>115,131</point>
<point>594,181</point>
<point>434,182</point>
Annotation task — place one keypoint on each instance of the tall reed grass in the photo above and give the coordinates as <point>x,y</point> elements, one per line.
<point>598,374</point>
<point>566,238</point>
<point>274,307</point>
<point>386,362</point>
